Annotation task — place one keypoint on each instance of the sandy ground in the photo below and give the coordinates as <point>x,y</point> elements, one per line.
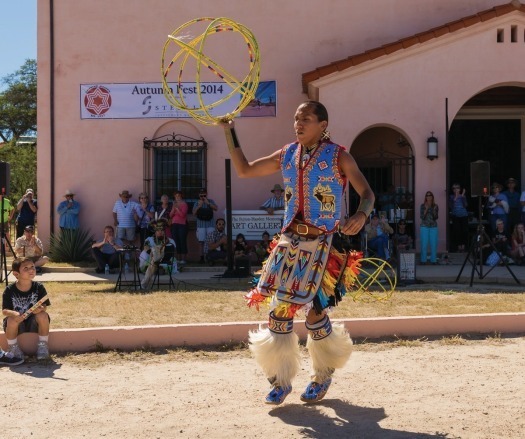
<point>473,390</point>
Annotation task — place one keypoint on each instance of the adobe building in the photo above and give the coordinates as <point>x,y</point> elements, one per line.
<point>397,79</point>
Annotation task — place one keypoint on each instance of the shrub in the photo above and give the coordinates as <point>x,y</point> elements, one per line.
<point>70,245</point>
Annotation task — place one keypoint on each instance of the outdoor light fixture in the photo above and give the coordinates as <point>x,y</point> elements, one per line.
<point>432,147</point>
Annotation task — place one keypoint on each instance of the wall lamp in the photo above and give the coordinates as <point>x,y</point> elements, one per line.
<point>432,147</point>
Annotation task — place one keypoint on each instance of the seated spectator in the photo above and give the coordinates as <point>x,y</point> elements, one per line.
<point>500,238</point>
<point>242,250</point>
<point>29,246</point>
<point>261,248</point>
<point>216,242</point>
<point>19,306</point>
<point>158,249</point>
<point>402,240</point>
<point>276,202</point>
<point>518,244</point>
<point>378,234</point>
<point>105,251</point>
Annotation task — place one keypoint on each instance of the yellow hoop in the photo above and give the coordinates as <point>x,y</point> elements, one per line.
<point>194,49</point>
<point>376,280</point>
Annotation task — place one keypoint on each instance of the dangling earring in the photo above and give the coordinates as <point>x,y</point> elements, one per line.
<point>325,135</point>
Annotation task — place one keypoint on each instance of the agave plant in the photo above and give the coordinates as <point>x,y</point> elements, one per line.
<point>70,245</point>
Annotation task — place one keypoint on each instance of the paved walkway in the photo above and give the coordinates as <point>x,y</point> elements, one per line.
<point>425,275</point>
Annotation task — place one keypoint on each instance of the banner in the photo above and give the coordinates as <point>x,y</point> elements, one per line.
<point>146,100</point>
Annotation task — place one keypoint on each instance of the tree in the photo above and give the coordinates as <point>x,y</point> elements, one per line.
<point>18,102</point>
<point>22,161</point>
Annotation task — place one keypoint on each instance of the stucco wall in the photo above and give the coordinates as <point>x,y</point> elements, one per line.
<point>120,41</point>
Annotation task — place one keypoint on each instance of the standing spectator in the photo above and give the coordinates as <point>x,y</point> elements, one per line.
<point>143,215</point>
<point>499,206</point>
<point>402,240</point>
<point>216,243</point>
<point>68,211</point>
<point>276,202</point>
<point>459,217</point>
<point>388,200</point>
<point>179,228</point>
<point>429,213</point>
<point>6,215</point>
<point>513,198</point>
<point>105,250</point>
<point>27,207</point>
<point>163,214</point>
<point>124,219</point>
<point>204,210</point>
<point>30,247</point>
<point>18,299</point>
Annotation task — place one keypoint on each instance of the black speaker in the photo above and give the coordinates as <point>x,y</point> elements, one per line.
<point>480,179</point>
<point>5,177</point>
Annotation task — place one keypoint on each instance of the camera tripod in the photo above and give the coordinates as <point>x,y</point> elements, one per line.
<point>3,262</point>
<point>475,253</point>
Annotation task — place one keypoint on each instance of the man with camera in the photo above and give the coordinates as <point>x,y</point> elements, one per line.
<point>27,207</point>
<point>203,210</point>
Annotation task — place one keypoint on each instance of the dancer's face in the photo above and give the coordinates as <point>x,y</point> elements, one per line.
<point>307,127</point>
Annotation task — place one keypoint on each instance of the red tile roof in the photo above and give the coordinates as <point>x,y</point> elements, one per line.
<point>453,26</point>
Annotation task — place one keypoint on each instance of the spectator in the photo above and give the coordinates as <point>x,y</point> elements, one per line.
<point>242,250</point>
<point>216,243</point>
<point>459,217</point>
<point>8,211</point>
<point>378,235</point>
<point>30,247</point>
<point>179,226</point>
<point>105,250</point>
<point>429,214</point>
<point>204,210</point>
<point>499,206</point>
<point>124,218</point>
<point>163,213</point>
<point>522,202</point>
<point>517,251</point>
<point>500,239</point>
<point>143,215</point>
<point>27,208</point>
<point>402,240</point>
<point>18,299</point>
<point>388,200</point>
<point>513,198</point>
<point>158,249</point>
<point>276,202</point>
<point>261,248</point>
<point>68,211</point>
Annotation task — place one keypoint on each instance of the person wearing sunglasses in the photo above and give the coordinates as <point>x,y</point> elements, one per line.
<point>429,213</point>
<point>204,210</point>
<point>458,217</point>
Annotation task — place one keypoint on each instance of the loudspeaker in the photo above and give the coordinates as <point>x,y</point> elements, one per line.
<point>480,179</point>
<point>5,177</point>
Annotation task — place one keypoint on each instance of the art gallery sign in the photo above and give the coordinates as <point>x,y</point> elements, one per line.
<point>252,223</point>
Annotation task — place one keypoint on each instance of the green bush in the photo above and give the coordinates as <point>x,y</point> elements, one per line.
<point>70,245</point>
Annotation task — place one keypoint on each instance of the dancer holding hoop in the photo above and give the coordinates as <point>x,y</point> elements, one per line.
<point>309,269</point>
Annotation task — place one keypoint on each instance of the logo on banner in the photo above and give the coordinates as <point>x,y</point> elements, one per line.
<point>97,100</point>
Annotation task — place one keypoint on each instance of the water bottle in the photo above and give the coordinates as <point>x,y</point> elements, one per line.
<point>126,268</point>
<point>106,269</point>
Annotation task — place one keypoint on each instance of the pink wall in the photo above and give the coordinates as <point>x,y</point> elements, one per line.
<point>120,41</point>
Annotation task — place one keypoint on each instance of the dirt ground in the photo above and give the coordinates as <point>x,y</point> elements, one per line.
<point>432,389</point>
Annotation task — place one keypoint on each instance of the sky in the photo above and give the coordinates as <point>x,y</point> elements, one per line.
<point>17,34</point>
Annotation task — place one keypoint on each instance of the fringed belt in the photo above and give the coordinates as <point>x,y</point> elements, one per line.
<point>304,230</point>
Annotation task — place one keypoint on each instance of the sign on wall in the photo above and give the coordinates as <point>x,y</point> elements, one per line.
<point>146,100</point>
<point>252,223</point>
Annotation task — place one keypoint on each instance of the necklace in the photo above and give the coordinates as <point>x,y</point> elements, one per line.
<point>308,154</point>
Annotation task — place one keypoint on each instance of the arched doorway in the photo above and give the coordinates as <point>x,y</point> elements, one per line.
<point>386,159</point>
<point>488,127</point>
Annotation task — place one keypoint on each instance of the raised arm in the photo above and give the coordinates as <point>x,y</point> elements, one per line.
<point>257,168</point>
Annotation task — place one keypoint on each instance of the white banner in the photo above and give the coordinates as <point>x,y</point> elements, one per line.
<point>252,223</point>
<point>146,100</point>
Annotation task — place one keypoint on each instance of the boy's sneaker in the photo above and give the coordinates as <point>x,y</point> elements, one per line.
<point>8,359</point>
<point>42,351</point>
<point>15,351</point>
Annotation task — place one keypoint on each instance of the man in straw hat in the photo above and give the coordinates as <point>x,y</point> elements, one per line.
<point>68,211</point>
<point>276,202</point>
